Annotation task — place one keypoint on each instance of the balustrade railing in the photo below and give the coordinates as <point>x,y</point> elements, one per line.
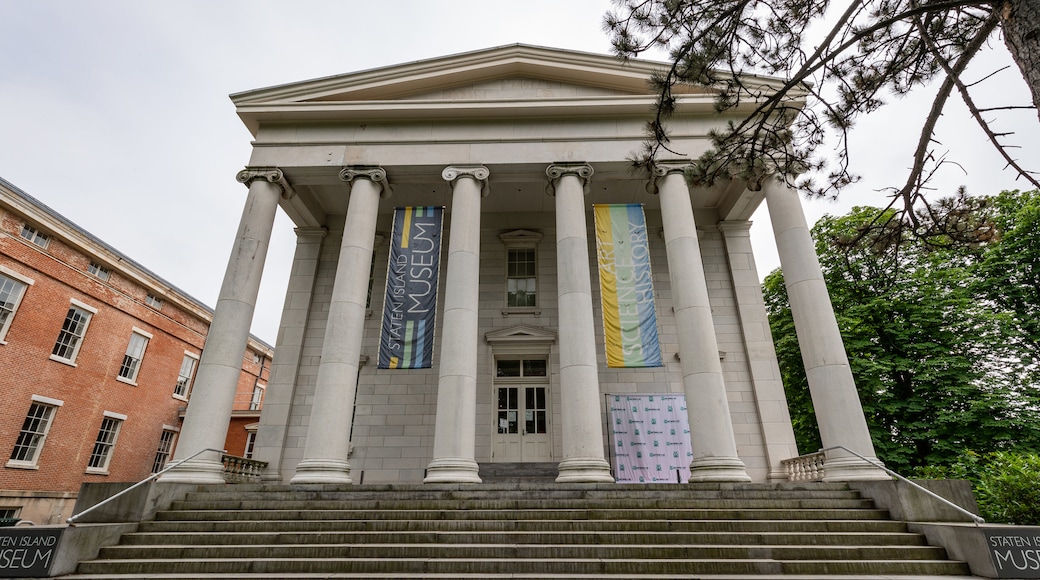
<point>805,467</point>
<point>241,470</point>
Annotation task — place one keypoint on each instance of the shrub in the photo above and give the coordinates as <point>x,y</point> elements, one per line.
<point>1006,484</point>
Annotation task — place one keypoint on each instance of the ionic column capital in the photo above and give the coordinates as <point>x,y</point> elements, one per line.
<point>478,173</point>
<point>662,169</point>
<point>582,170</point>
<point>373,173</point>
<point>270,174</point>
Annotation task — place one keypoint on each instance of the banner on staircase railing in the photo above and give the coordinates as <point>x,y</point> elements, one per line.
<point>410,307</point>
<point>650,438</point>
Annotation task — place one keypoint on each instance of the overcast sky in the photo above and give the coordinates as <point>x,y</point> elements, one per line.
<point>116,113</point>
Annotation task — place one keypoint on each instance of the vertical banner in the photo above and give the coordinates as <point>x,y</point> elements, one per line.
<point>626,287</point>
<point>410,307</point>
<point>651,438</point>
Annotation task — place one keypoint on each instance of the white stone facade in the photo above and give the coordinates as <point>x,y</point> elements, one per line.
<point>516,143</point>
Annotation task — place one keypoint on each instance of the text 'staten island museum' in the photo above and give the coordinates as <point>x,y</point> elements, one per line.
<point>457,221</point>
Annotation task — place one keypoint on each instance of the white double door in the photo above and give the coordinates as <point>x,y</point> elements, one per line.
<point>522,434</point>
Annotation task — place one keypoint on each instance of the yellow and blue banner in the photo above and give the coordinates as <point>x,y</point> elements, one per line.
<point>626,286</point>
<point>410,307</point>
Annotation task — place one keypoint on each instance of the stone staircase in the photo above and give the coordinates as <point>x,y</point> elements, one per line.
<point>522,530</point>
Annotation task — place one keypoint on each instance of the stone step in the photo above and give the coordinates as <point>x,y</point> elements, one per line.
<point>820,527</point>
<point>442,551</point>
<point>241,538</point>
<point>517,472</point>
<point>495,488</point>
<point>522,530</point>
<point>465,494</point>
<point>527,504</point>
<point>614,566</point>
<point>530,514</point>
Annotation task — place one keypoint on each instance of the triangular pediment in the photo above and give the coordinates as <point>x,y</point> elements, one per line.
<point>512,81</point>
<point>531,67</point>
<point>520,334</point>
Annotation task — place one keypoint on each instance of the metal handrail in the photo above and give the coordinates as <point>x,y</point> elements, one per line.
<point>173,465</point>
<point>976,518</point>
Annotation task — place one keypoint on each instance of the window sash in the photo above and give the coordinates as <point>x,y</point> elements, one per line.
<point>184,377</point>
<point>11,292</point>
<point>71,334</point>
<point>521,277</point>
<point>132,358</point>
<point>33,433</point>
<point>98,271</point>
<point>162,453</point>
<point>106,440</point>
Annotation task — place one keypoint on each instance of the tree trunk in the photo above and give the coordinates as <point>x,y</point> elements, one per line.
<point>1020,21</point>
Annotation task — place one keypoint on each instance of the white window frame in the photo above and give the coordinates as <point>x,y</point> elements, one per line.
<point>88,313</point>
<point>183,385</point>
<point>250,444</point>
<point>257,399</point>
<point>34,236</point>
<point>167,440</point>
<point>153,301</point>
<point>16,297</point>
<point>132,360</point>
<point>520,240</point>
<point>40,436</point>
<point>98,271</point>
<point>105,443</point>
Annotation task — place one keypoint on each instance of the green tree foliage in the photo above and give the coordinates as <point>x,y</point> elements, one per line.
<point>839,60</point>
<point>938,351</point>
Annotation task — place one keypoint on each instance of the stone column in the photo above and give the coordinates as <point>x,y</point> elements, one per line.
<point>274,421</point>
<point>332,411</point>
<point>213,396</point>
<point>834,395</point>
<point>711,428</point>
<point>583,455</point>
<point>770,399</point>
<point>454,438</point>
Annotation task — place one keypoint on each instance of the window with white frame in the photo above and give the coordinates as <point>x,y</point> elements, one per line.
<point>162,453</point>
<point>134,353</point>
<point>101,456</point>
<point>258,396</point>
<point>37,424</point>
<point>185,375</point>
<point>72,331</point>
<point>521,278</point>
<point>250,444</point>
<point>99,271</point>
<point>33,235</point>
<point>154,302</point>
<point>521,268</point>
<point>12,288</point>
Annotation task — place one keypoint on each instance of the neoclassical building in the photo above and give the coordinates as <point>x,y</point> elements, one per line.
<point>446,306</point>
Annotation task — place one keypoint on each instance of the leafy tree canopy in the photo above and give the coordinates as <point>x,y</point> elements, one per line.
<point>941,339</point>
<point>847,58</point>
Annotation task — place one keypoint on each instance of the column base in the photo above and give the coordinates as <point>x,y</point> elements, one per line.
<point>718,469</point>
<point>199,471</point>
<point>850,468</point>
<point>452,470</point>
<point>322,471</point>
<point>584,470</point>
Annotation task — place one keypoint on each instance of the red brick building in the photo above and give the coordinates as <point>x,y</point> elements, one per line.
<point>98,355</point>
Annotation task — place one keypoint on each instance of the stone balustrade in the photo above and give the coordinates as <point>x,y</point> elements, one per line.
<point>805,467</point>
